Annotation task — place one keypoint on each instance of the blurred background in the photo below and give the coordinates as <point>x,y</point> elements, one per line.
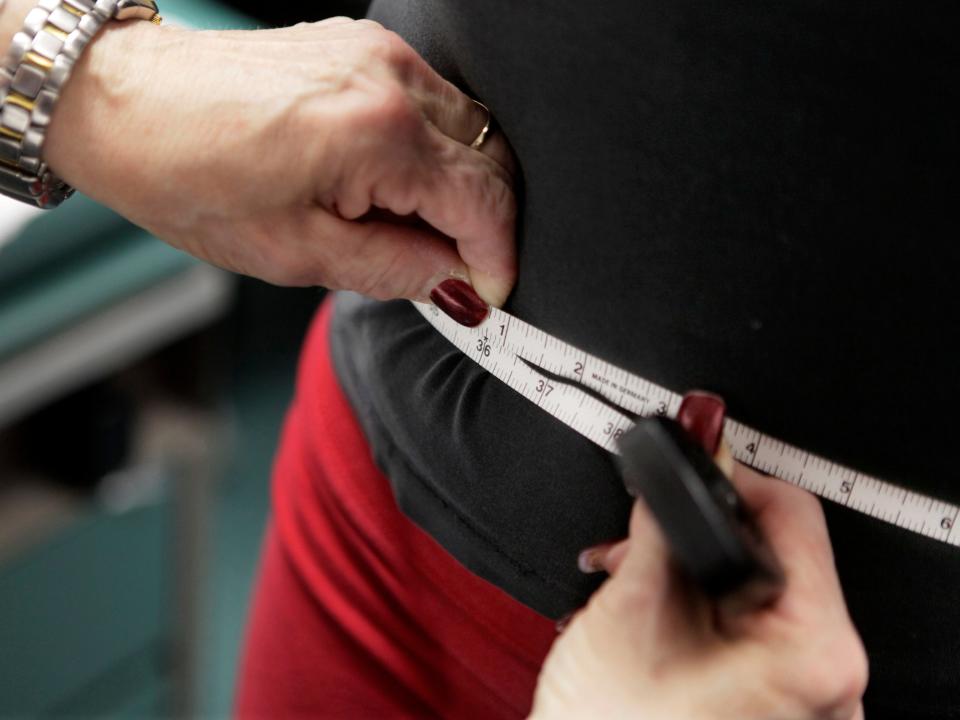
<point>141,397</point>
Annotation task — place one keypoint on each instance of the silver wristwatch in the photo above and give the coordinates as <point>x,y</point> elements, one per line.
<point>32,75</point>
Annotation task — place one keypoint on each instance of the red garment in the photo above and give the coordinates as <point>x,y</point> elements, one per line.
<point>358,613</point>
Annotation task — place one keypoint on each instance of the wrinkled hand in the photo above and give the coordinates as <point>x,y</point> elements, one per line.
<point>265,152</point>
<point>646,647</point>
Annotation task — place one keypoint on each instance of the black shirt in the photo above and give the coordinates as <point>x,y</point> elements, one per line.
<point>753,198</point>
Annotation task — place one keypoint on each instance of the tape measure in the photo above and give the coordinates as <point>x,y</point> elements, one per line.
<point>601,402</point>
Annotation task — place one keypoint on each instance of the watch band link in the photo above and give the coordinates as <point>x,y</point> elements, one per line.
<point>32,75</point>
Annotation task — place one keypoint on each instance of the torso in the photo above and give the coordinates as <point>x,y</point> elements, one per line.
<point>755,200</point>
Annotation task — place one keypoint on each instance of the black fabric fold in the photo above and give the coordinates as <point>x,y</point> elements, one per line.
<point>752,198</point>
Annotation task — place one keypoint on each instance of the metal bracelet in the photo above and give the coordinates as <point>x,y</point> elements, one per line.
<point>32,75</point>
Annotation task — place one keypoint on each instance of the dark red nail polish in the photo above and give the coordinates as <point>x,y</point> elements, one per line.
<point>701,415</point>
<point>460,301</point>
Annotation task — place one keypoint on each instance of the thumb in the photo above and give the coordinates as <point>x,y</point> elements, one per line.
<point>383,259</point>
<point>469,197</point>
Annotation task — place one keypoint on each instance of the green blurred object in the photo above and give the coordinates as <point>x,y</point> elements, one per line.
<point>87,625</point>
<point>73,261</point>
<point>94,275</point>
<point>44,243</point>
<point>74,612</point>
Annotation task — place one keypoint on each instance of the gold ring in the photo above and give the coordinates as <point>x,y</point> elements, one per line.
<point>482,137</point>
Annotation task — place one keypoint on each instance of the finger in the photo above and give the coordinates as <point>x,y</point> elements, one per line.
<point>724,459</point>
<point>383,260</point>
<point>613,559</point>
<point>481,130</point>
<point>450,110</point>
<point>605,557</point>
<point>495,147</point>
<point>444,105</point>
<point>413,168</point>
<point>470,198</point>
<point>810,617</point>
<point>701,415</point>
<point>453,112</point>
<point>792,521</point>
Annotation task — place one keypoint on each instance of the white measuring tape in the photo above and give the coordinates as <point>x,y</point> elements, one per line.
<point>565,381</point>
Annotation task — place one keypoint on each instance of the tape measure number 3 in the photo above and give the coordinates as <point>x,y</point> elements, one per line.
<point>601,402</point>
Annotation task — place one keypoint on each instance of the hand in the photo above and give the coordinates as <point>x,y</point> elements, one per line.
<point>296,155</point>
<point>647,647</point>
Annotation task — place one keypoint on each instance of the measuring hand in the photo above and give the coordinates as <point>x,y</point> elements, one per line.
<point>710,531</point>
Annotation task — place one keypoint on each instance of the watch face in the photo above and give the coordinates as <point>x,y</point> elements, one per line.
<point>136,10</point>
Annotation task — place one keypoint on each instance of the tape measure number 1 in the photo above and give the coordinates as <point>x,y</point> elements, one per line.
<point>601,402</point>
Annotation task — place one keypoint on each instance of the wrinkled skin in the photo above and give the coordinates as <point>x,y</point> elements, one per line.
<point>323,154</point>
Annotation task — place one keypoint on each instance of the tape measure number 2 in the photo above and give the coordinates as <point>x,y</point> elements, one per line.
<point>601,402</point>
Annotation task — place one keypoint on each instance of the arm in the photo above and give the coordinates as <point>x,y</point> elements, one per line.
<point>264,152</point>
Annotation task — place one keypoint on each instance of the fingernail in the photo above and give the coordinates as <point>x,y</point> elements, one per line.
<point>458,300</point>
<point>589,560</point>
<point>701,415</point>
